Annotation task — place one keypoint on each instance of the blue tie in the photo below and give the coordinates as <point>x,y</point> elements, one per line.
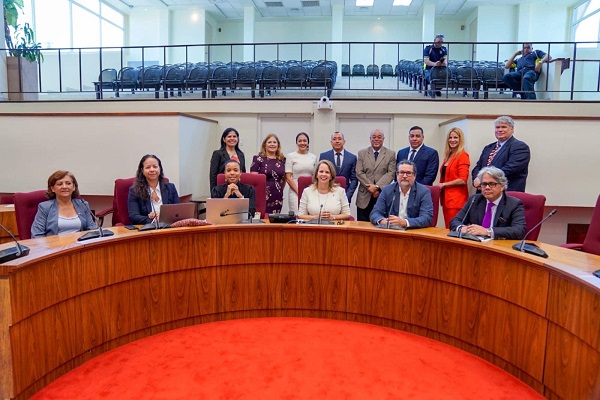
<point>376,154</point>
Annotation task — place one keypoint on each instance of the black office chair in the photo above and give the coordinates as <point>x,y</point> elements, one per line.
<point>106,80</point>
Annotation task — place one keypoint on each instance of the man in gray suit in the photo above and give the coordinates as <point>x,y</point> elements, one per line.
<point>344,161</point>
<point>375,168</point>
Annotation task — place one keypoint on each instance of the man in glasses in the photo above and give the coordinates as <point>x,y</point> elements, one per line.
<point>405,203</point>
<point>435,55</point>
<point>527,71</point>
<point>507,153</point>
<point>491,213</point>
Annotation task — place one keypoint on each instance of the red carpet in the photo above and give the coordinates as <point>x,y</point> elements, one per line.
<point>287,358</point>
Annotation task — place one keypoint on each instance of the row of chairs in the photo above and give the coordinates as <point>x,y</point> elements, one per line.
<point>371,70</point>
<point>266,75</point>
<point>466,75</point>
<point>26,205</point>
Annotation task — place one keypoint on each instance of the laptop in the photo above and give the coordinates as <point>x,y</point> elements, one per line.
<point>226,211</point>
<point>170,213</point>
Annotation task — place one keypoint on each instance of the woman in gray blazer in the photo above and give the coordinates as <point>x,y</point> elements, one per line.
<point>64,212</point>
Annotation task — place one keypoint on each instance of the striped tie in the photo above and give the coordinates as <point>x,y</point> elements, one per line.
<point>492,154</point>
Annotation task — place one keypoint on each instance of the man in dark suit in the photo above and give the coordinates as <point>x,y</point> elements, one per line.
<point>405,203</point>
<point>375,168</point>
<point>491,213</point>
<point>344,161</point>
<point>425,158</point>
<point>509,154</point>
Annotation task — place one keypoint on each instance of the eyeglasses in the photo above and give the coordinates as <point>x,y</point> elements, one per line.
<point>405,173</point>
<point>491,185</point>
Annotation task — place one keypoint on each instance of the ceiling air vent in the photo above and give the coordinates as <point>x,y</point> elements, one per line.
<point>310,4</point>
<point>270,4</point>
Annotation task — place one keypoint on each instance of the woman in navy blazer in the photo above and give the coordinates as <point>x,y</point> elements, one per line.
<point>149,191</point>
<point>64,212</point>
<point>230,150</point>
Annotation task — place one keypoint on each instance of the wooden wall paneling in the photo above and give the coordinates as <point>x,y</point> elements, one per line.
<point>168,254</point>
<point>6,361</point>
<point>572,366</point>
<point>380,249</point>
<point>576,309</point>
<point>174,296</point>
<point>44,283</point>
<point>248,244</point>
<point>312,244</point>
<point>128,307</point>
<point>321,287</point>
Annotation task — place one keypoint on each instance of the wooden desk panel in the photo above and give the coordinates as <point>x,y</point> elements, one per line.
<point>8,219</point>
<point>70,301</point>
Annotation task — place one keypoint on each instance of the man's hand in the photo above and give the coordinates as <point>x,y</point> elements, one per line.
<point>395,220</point>
<point>476,230</point>
<point>372,189</point>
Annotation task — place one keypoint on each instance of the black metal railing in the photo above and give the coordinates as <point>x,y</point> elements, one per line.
<point>351,69</point>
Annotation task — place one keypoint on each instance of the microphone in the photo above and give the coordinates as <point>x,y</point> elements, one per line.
<point>387,224</point>
<point>319,220</point>
<point>12,253</point>
<point>530,247</point>
<point>460,233</point>
<point>94,234</point>
<point>154,224</point>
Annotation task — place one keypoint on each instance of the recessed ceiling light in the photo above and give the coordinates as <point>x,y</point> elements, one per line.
<point>364,3</point>
<point>402,2</point>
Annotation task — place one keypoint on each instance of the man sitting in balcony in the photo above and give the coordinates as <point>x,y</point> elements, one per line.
<point>528,68</point>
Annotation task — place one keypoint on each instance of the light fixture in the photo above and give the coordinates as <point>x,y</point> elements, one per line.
<point>402,2</point>
<point>364,3</point>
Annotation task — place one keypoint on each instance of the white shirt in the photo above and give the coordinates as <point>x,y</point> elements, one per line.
<point>336,202</point>
<point>156,204</point>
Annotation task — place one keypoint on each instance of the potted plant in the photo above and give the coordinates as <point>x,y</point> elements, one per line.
<point>24,54</point>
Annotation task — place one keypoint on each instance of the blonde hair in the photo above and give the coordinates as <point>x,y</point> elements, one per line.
<point>263,147</point>
<point>461,143</point>
<point>332,183</point>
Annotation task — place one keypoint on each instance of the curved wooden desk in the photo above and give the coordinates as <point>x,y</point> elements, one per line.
<point>68,302</point>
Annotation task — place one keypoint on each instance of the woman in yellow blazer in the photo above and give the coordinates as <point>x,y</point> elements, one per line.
<point>454,174</point>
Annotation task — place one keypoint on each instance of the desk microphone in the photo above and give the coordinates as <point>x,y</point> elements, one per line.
<point>459,234</point>
<point>387,224</point>
<point>12,253</point>
<point>530,247</point>
<point>227,213</point>
<point>154,224</point>
<point>94,234</point>
<point>319,220</point>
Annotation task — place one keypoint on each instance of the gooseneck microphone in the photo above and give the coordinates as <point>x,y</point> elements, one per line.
<point>319,220</point>
<point>459,234</point>
<point>531,248</point>
<point>319,217</point>
<point>387,224</point>
<point>227,213</point>
<point>94,234</point>
<point>12,253</point>
<point>154,224</point>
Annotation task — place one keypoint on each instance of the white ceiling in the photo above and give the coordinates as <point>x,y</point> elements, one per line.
<point>234,9</point>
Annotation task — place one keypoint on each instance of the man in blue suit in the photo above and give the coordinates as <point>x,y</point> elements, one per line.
<point>425,158</point>
<point>404,203</point>
<point>507,153</point>
<point>344,161</point>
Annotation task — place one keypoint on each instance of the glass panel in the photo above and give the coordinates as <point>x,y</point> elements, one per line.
<point>52,23</point>
<point>112,15</point>
<point>92,5</point>
<point>111,35</point>
<point>87,26</point>
<point>587,31</point>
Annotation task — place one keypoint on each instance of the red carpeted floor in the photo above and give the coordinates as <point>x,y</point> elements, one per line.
<point>287,358</point>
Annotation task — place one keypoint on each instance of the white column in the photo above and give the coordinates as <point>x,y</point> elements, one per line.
<point>428,30</point>
<point>337,33</point>
<point>3,84</point>
<point>249,22</point>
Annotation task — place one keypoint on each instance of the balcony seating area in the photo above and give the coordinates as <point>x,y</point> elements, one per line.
<point>219,78</point>
<point>469,76</point>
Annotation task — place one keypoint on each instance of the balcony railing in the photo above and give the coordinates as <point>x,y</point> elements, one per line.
<point>339,69</point>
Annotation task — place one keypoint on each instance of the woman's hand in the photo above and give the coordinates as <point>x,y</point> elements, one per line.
<point>152,215</point>
<point>232,188</point>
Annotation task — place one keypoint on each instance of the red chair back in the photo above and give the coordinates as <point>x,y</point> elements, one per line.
<point>435,199</point>
<point>306,181</point>
<point>26,205</point>
<point>591,244</point>
<point>8,199</point>
<point>259,182</point>
<point>120,210</point>
<point>534,211</point>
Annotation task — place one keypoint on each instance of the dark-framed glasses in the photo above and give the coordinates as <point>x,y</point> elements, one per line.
<point>491,185</point>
